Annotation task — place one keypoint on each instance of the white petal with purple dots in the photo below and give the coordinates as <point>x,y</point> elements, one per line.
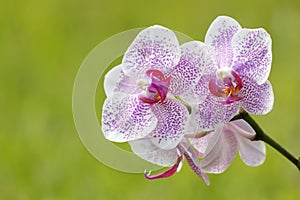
<point>116,81</point>
<point>155,47</point>
<point>257,99</point>
<point>171,126</point>
<point>212,112</point>
<point>186,74</point>
<point>125,118</point>
<point>252,50</point>
<point>219,36</point>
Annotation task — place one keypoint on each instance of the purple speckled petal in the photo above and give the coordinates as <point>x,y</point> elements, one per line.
<point>202,87</point>
<point>146,150</point>
<point>194,59</point>
<point>219,36</point>
<point>257,99</point>
<point>220,152</point>
<point>172,119</point>
<point>210,113</point>
<point>253,153</point>
<point>125,118</point>
<point>252,54</point>
<point>155,47</point>
<point>116,81</point>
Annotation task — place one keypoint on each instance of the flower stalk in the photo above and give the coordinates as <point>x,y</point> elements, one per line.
<point>261,135</point>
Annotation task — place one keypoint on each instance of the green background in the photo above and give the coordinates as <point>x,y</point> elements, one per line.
<point>43,43</point>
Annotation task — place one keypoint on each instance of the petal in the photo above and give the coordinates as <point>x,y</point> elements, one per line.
<point>253,153</point>
<point>193,161</point>
<point>194,59</point>
<point>220,151</point>
<point>257,99</point>
<point>111,79</point>
<point>202,87</point>
<point>155,47</point>
<point>200,144</point>
<point>210,113</point>
<point>243,128</point>
<point>253,54</point>
<point>125,118</point>
<point>116,81</point>
<point>219,36</point>
<point>146,150</point>
<point>172,120</point>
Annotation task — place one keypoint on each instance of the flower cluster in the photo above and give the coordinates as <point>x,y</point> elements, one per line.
<point>172,101</point>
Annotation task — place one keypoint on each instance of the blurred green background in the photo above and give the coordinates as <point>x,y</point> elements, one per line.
<point>43,43</point>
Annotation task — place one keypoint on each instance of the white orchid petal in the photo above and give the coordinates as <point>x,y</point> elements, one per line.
<point>146,150</point>
<point>194,59</point>
<point>111,79</point>
<point>155,47</point>
<point>219,36</point>
<point>125,118</point>
<point>208,114</point>
<point>257,99</point>
<point>116,81</point>
<point>171,126</point>
<point>253,54</point>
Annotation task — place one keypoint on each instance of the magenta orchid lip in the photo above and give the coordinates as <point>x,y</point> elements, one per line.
<point>157,90</point>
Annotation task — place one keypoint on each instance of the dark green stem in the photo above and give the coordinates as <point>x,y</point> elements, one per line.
<point>261,135</point>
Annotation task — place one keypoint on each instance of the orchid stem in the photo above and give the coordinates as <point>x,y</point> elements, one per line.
<point>261,135</point>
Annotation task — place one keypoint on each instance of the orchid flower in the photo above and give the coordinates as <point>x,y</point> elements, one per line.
<point>147,97</point>
<point>137,92</point>
<point>220,146</point>
<point>235,75</point>
<point>172,158</point>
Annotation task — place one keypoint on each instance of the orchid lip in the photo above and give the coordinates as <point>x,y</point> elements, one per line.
<point>227,85</point>
<point>166,173</point>
<point>158,88</point>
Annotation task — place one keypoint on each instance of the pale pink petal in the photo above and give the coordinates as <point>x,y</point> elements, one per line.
<point>252,54</point>
<point>212,112</point>
<point>194,59</point>
<point>253,153</point>
<point>116,81</point>
<point>125,118</point>
<point>155,47</point>
<point>220,151</point>
<point>243,128</point>
<point>219,36</point>
<point>257,99</point>
<point>193,161</point>
<point>172,120</point>
<point>146,150</point>
<point>200,144</point>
